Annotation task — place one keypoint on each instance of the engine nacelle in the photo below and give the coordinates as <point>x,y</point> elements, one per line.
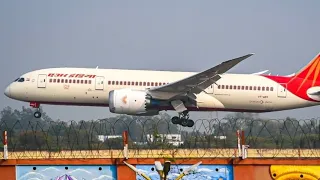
<point>131,102</point>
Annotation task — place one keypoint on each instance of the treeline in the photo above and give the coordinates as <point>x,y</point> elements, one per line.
<point>28,133</point>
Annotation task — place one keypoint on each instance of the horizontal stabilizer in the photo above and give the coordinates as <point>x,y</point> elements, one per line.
<point>317,93</point>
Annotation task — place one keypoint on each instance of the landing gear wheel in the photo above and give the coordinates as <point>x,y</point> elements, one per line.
<point>190,123</point>
<point>184,122</point>
<point>175,120</point>
<point>37,114</point>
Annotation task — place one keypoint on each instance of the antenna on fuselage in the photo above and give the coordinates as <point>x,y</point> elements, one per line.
<point>97,67</point>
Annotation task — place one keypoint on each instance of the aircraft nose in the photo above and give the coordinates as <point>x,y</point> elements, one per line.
<point>7,91</point>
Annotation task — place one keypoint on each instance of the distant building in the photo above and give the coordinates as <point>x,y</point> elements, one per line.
<point>103,138</point>
<point>174,139</point>
<point>220,137</point>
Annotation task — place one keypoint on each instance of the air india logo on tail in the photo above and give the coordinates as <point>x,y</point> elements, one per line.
<point>124,99</point>
<point>310,72</point>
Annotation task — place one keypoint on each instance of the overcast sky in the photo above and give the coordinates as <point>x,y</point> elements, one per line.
<point>159,35</point>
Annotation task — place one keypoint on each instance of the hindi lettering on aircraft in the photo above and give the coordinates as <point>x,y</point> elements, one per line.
<point>71,75</point>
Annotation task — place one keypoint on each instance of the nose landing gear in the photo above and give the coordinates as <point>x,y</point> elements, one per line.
<point>36,114</point>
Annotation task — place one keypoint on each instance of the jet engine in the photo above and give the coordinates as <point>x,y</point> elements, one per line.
<point>132,102</point>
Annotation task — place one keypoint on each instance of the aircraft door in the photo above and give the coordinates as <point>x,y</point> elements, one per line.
<point>282,90</point>
<point>42,78</point>
<point>99,83</point>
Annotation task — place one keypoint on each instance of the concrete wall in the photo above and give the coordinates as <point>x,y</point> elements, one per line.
<point>221,169</point>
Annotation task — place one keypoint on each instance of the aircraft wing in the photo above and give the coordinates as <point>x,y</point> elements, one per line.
<point>200,81</point>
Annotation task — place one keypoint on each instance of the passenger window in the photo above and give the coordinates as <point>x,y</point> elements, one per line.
<point>144,83</point>
<point>62,80</point>
<point>86,81</point>
<point>78,81</point>
<point>271,88</point>
<point>230,86</point>
<point>124,82</point>
<point>267,88</point>
<point>242,87</point>
<point>148,83</point>
<point>81,81</point>
<point>117,82</point>
<point>156,84</point>
<point>50,80</point>
<point>222,86</point>
<point>247,87</point>
<point>254,88</point>
<point>54,80</point>
<point>263,88</point>
<point>120,82</point>
<point>250,88</point>
<point>58,80</point>
<point>238,87</point>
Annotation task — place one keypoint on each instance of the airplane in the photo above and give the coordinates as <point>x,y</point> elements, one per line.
<point>147,92</point>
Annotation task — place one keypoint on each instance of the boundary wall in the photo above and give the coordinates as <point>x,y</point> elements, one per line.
<point>107,168</point>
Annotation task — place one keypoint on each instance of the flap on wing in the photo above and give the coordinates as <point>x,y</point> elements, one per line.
<point>200,81</point>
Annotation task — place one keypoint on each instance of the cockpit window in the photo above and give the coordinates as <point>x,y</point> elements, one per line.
<point>21,80</point>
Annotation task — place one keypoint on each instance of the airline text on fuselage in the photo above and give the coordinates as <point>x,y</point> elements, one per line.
<point>71,75</point>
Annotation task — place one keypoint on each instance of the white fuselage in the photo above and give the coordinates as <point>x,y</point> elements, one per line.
<point>250,92</point>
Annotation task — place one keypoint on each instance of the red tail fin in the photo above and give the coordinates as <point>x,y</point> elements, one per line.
<point>304,79</point>
<point>311,70</point>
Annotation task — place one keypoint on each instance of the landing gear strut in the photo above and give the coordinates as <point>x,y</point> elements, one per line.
<point>183,119</point>
<point>36,114</point>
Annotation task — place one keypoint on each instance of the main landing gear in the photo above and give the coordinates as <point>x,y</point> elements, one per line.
<point>36,114</point>
<point>183,119</point>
